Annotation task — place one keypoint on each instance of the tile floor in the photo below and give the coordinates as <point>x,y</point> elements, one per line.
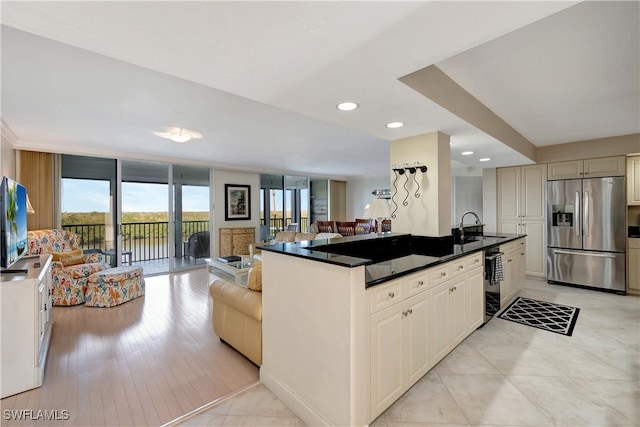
<point>507,374</point>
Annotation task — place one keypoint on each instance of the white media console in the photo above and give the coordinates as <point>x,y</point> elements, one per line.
<point>25,300</point>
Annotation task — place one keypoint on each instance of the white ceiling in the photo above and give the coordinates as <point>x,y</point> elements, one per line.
<point>260,80</point>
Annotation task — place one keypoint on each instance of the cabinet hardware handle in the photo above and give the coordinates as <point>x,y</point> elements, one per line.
<point>410,310</point>
<point>521,253</point>
<point>460,267</point>
<point>455,287</point>
<point>475,261</point>
<point>509,260</point>
<point>443,274</point>
<point>420,283</point>
<point>391,294</point>
<point>404,313</point>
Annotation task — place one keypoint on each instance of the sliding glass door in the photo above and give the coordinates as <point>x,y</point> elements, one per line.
<point>192,218</point>
<point>144,224</point>
<point>88,195</point>
<point>146,214</point>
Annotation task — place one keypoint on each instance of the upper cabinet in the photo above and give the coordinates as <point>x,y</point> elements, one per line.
<point>633,180</point>
<point>521,210</point>
<point>521,193</point>
<point>589,168</point>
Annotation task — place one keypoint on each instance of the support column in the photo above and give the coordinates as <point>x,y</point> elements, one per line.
<point>430,213</point>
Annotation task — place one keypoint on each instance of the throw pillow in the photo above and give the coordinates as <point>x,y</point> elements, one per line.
<point>74,257</point>
<point>254,278</point>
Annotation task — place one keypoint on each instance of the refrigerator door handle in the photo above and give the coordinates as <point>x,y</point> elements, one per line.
<point>560,251</point>
<point>576,223</point>
<point>585,224</point>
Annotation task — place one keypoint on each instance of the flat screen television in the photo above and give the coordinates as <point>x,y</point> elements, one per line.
<point>13,221</point>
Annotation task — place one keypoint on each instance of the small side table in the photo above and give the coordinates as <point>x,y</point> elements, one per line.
<point>111,253</point>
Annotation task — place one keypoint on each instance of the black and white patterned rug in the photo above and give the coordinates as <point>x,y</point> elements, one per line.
<point>542,315</point>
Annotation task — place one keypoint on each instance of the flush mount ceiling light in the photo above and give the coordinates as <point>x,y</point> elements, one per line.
<point>347,106</point>
<point>395,125</point>
<point>467,153</point>
<point>485,159</point>
<point>179,135</point>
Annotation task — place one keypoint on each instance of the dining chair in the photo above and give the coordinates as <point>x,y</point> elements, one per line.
<point>363,225</point>
<point>325,226</point>
<point>346,228</point>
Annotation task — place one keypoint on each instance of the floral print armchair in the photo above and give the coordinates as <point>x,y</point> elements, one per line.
<point>69,282</point>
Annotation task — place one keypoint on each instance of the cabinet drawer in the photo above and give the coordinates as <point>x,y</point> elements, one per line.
<point>513,246</point>
<point>387,295</point>
<point>417,283</point>
<point>475,260</point>
<point>441,273</point>
<point>634,243</point>
<point>458,267</point>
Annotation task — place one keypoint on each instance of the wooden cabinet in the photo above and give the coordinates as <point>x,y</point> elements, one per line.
<point>26,326</point>
<point>633,279</point>
<point>589,168</point>
<point>513,265</point>
<point>417,320</point>
<point>633,180</point>
<point>399,350</point>
<point>399,338</point>
<point>236,241</point>
<point>521,210</point>
<point>457,307</point>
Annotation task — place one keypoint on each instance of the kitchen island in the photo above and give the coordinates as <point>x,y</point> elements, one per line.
<point>350,324</point>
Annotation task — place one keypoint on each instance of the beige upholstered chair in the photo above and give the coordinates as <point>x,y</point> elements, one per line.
<point>237,314</point>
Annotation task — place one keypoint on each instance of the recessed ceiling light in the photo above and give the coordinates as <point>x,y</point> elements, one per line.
<point>467,153</point>
<point>347,106</point>
<point>395,125</point>
<point>485,159</point>
<point>179,135</point>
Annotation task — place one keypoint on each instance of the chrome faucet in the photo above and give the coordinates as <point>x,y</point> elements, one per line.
<point>462,222</point>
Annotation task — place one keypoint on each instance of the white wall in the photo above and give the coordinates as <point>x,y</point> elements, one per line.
<point>359,193</point>
<point>7,153</point>
<point>222,177</point>
<point>489,201</point>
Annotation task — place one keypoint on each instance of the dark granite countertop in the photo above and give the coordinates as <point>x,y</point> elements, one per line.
<point>389,255</point>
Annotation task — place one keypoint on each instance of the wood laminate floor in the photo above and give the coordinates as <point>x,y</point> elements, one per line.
<point>145,362</point>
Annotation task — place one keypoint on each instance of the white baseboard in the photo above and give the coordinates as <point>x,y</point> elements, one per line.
<point>292,400</point>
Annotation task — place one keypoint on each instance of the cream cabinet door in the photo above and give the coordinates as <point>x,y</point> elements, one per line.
<point>457,311</point>
<point>508,284</point>
<point>633,283</point>
<point>387,366</point>
<point>533,186</point>
<point>521,271</point>
<point>508,189</point>
<point>633,180</point>
<point>535,247</point>
<point>606,166</point>
<point>474,296</point>
<point>438,326</point>
<point>565,170</point>
<point>510,227</point>
<point>416,329</point>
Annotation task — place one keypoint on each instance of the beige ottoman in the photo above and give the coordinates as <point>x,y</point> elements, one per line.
<point>114,286</point>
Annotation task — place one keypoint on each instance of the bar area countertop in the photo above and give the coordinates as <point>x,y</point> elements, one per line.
<point>388,255</point>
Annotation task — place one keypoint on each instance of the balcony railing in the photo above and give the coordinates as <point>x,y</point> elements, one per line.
<point>145,240</point>
<point>278,224</point>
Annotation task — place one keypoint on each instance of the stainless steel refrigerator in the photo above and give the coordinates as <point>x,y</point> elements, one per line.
<point>586,232</point>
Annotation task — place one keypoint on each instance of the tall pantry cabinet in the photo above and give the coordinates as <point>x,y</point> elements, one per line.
<point>522,210</point>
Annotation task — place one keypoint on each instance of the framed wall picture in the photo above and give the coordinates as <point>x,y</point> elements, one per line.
<point>237,202</point>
